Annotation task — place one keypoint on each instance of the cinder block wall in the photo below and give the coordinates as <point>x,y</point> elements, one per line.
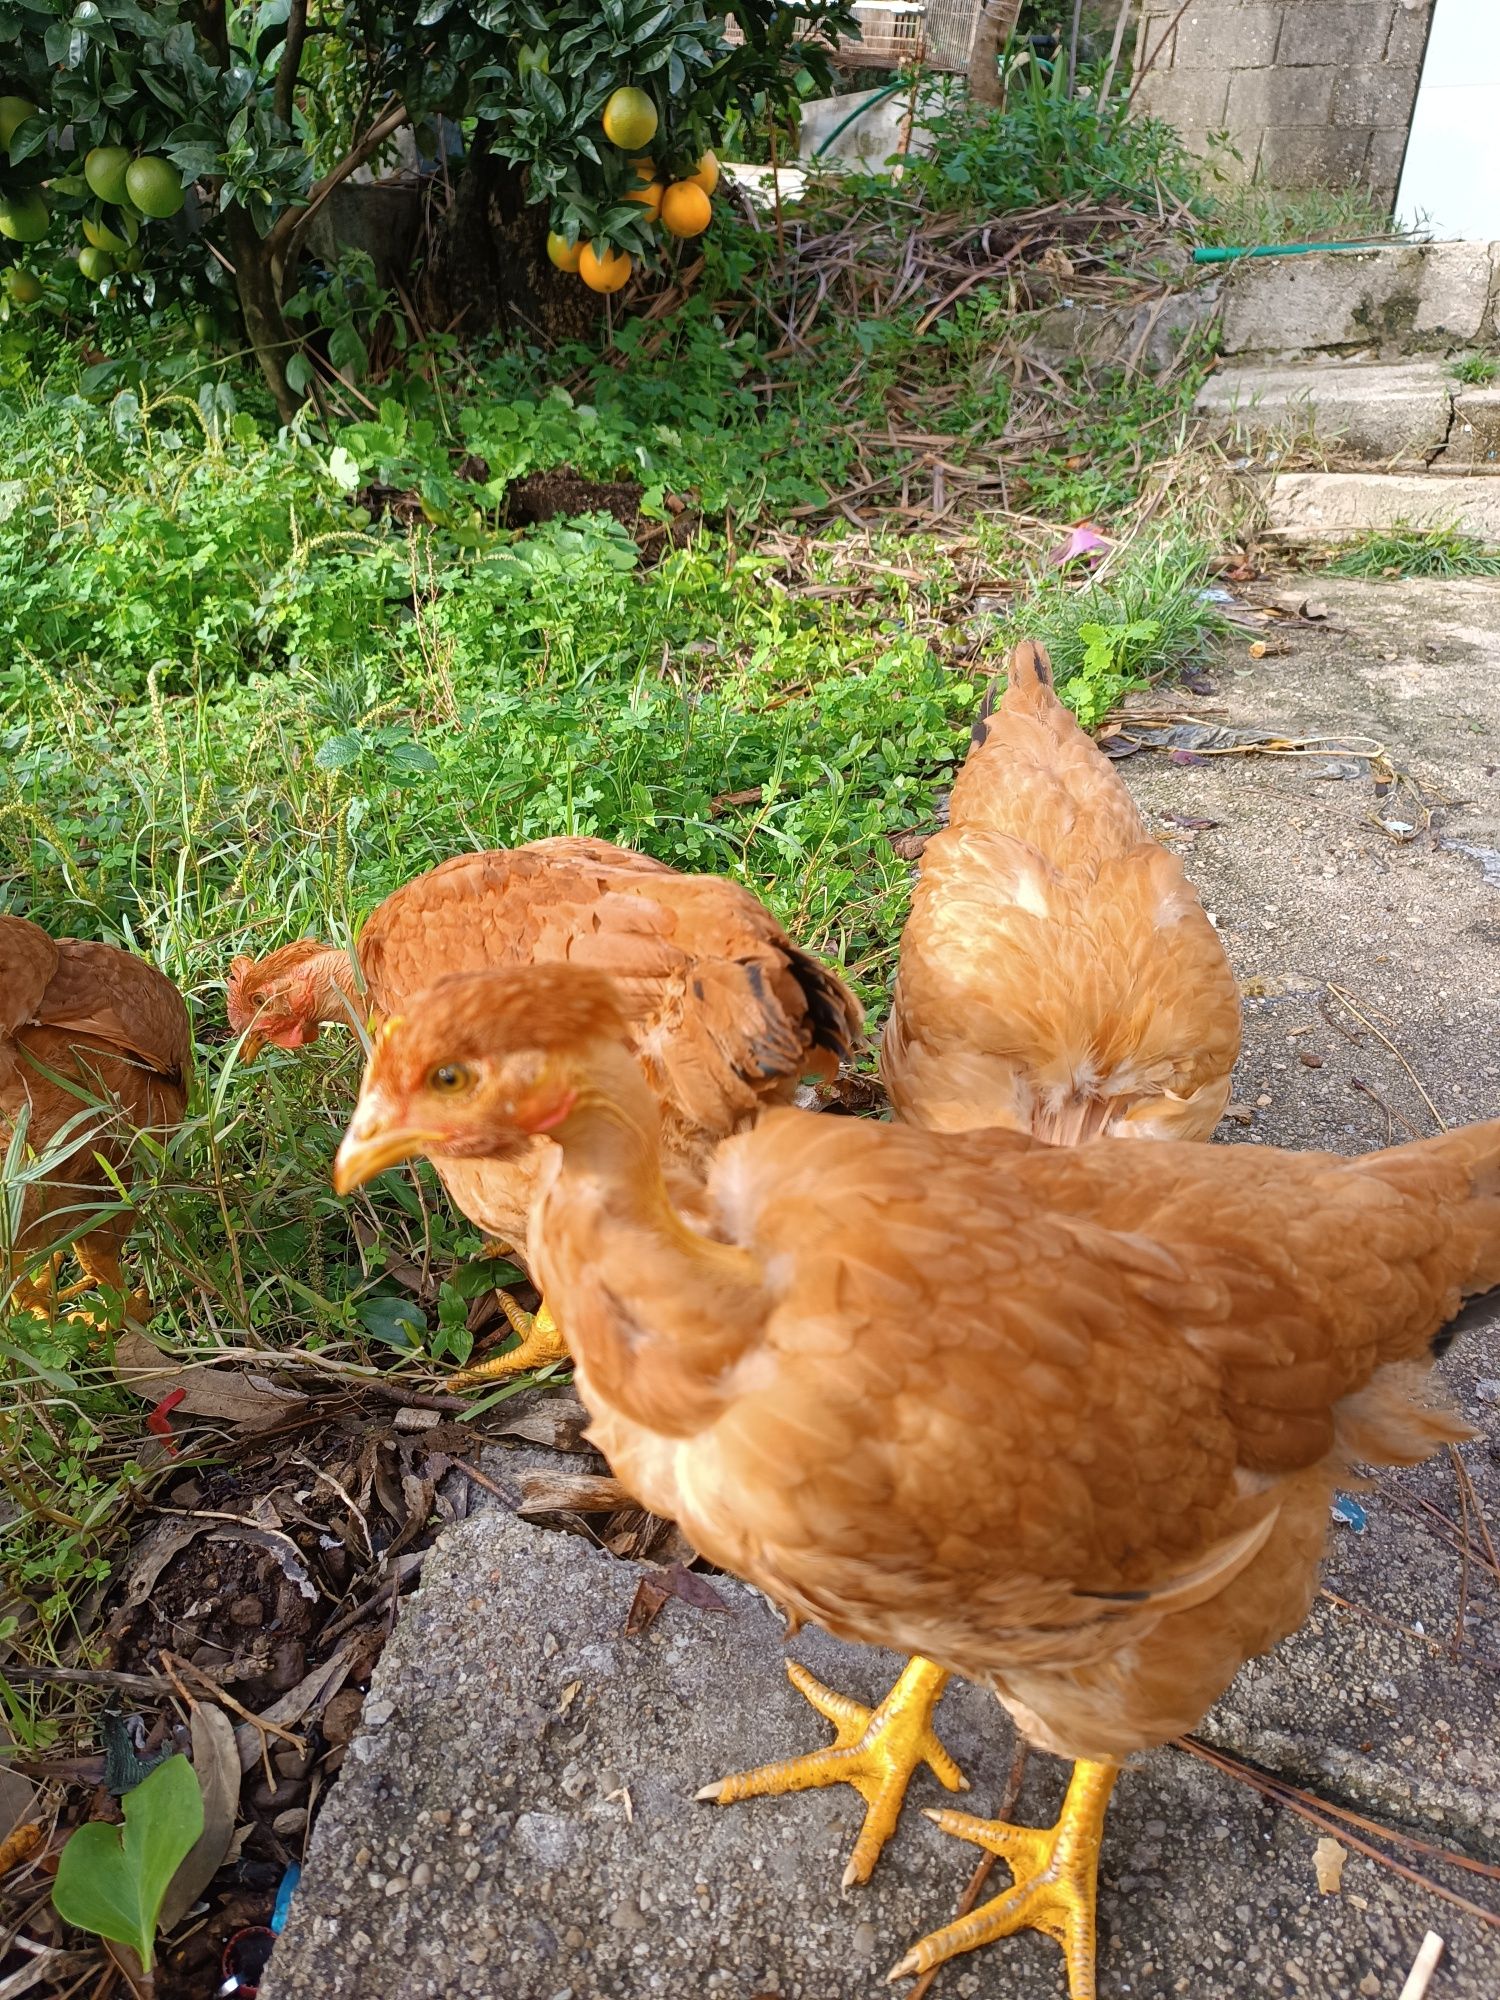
<point>1312,93</point>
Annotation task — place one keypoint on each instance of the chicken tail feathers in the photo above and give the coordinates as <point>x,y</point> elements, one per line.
<point>1029,665</point>
<point>835,1017</point>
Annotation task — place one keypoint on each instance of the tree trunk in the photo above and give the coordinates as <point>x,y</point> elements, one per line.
<point>993,30</point>
<point>260,305</point>
<point>489,270</point>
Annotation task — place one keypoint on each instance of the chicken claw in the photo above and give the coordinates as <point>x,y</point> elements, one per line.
<point>1055,1871</point>
<point>541,1344</point>
<point>877,1752</point>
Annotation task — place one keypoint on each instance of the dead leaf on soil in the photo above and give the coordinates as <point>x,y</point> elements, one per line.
<point>652,1592</point>
<point>216,1765</point>
<point>304,1699</point>
<point>232,1395</point>
<point>166,1540</point>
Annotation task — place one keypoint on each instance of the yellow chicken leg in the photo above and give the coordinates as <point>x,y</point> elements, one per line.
<point>877,1752</point>
<point>1055,1871</point>
<point>541,1343</point>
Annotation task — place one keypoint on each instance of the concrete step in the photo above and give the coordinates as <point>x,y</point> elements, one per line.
<point>1401,299</point>
<point>1337,506</point>
<point>1408,414</point>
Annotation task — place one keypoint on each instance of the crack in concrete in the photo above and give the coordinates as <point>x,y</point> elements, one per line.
<point>1434,456</point>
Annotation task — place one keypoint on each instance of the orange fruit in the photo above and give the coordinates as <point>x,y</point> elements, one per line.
<point>685,209</point>
<point>630,119</point>
<point>707,175</point>
<point>565,255</point>
<point>645,170</point>
<point>649,198</point>
<point>605,273</point>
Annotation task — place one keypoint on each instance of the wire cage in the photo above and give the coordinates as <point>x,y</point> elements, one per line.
<point>939,33</point>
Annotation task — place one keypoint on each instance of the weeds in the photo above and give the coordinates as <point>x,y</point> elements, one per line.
<point>1475,369</point>
<point>1418,552</point>
<point>1244,214</point>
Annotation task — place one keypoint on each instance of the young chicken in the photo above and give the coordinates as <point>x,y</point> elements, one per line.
<point>727,1014</point>
<point>1057,973</point>
<point>116,1030</point>
<point>1058,977</point>
<point>1064,1420</point>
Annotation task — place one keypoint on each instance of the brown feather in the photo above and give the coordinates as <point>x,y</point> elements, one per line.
<point>1057,972</point>
<point>1065,1420</point>
<point>112,1026</point>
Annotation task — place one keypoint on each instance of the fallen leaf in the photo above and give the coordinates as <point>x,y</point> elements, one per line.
<point>693,1588</point>
<point>232,1395</point>
<point>166,1540</point>
<point>1328,1859</point>
<point>648,1600</point>
<point>216,1766</point>
<point>306,1698</point>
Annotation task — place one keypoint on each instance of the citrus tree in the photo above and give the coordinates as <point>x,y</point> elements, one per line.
<point>136,131</point>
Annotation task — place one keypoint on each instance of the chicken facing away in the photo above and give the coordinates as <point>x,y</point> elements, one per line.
<point>1063,1420</point>
<point>1057,973</point>
<point>115,1028</point>
<point>726,1013</point>
<point>1057,977</point>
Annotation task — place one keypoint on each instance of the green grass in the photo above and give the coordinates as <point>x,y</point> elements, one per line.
<point>1475,369</point>
<point>1244,214</point>
<point>236,708</point>
<point>1437,552</point>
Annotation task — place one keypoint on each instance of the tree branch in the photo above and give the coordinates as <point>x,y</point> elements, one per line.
<point>291,226</point>
<point>284,96</point>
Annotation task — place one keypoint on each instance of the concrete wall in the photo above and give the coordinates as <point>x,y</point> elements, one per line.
<point>1313,93</point>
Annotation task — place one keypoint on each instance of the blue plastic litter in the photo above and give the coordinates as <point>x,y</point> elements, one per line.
<point>284,1896</point>
<point>1348,1510</point>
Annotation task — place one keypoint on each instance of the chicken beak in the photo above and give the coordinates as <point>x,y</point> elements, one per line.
<point>377,1139</point>
<point>251,1046</point>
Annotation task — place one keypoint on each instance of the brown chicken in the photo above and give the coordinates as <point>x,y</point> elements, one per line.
<point>727,1014</point>
<point>1057,973</point>
<point>116,1030</point>
<point>1057,976</point>
<point>1064,1420</point>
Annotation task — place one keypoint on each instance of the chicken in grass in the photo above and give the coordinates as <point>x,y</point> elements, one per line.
<point>1057,973</point>
<point>727,1014</point>
<point>1063,1420</point>
<point>95,1045</point>
<point>1057,977</point>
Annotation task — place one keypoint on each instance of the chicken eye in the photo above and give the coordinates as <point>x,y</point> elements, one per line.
<point>450,1077</point>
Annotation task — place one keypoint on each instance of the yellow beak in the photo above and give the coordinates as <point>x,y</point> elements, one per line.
<point>371,1145</point>
<point>251,1046</point>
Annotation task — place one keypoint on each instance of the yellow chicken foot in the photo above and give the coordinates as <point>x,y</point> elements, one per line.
<point>541,1343</point>
<point>877,1751</point>
<point>1055,1871</point>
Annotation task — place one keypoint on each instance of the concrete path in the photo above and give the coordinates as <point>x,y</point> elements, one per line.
<point>517,1817</point>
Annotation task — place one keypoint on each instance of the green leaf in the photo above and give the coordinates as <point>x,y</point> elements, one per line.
<point>339,752</point>
<point>413,758</point>
<point>397,1322</point>
<point>112,1881</point>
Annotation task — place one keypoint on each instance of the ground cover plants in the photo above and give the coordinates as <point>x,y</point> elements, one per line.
<point>724,583</point>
